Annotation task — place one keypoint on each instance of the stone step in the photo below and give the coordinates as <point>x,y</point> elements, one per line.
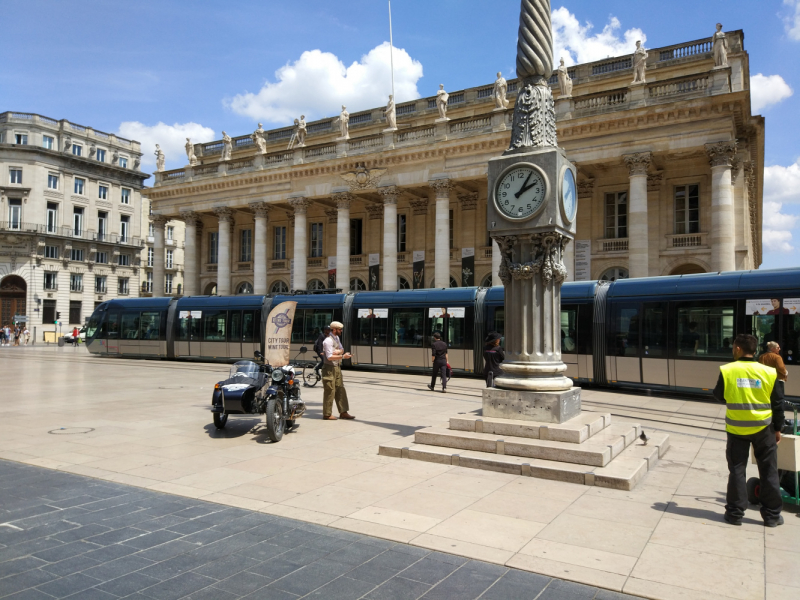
<point>598,451</point>
<point>623,473</point>
<point>574,431</point>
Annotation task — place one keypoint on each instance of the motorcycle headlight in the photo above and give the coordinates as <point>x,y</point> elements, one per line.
<point>277,375</point>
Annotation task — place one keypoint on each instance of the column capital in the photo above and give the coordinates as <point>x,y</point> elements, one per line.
<point>638,163</point>
<point>469,201</point>
<point>300,205</point>
<point>420,206</point>
<point>342,199</point>
<point>720,154</point>
<point>159,221</point>
<point>375,211</point>
<point>191,218</point>
<point>390,194</point>
<point>332,214</point>
<point>654,181</point>
<point>442,187</point>
<point>224,214</point>
<point>585,189</point>
<point>260,209</point>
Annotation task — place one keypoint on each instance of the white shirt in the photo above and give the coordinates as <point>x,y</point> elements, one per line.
<point>331,344</point>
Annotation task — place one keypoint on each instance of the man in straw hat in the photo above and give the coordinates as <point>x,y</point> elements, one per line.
<point>332,384</point>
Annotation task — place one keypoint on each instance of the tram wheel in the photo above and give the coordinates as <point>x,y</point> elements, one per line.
<point>220,419</point>
<point>754,490</point>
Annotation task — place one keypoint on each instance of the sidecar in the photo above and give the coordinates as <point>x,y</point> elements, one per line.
<point>236,395</point>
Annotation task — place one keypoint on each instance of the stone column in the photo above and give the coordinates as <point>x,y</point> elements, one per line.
<point>638,263</point>
<point>158,256</point>
<point>343,201</point>
<point>261,211</point>
<point>191,252</point>
<point>441,254</point>
<point>390,195</point>
<point>497,258</point>
<point>300,206</point>
<point>225,216</point>
<point>723,255</point>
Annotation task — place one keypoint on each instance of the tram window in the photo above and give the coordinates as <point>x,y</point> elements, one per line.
<point>250,330</point>
<point>626,330</point>
<point>371,327</point>
<point>91,327</point>
<point>235,329</point>
<point>457,330</point>
<point>569,330</point>
<point>363,332</point>
<point>190,329</point>
<point>297,327</point>
<point>150,325</point>
<point>407,327</point>
<point>130,326</point>
<point>705,330</point>
<point>214,326</point>
<point>654,338</point>
<point>380,331</point>
<point>315,323</point>
<point>111,326</point>
<point>497,322</point>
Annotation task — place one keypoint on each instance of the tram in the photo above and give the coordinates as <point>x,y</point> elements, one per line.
<point>661,333</point>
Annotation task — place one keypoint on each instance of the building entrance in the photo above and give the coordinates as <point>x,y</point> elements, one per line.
<point>13,292</point>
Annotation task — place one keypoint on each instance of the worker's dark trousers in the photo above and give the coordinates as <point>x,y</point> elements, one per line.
<point>737,452</point>
<point>441,370</point>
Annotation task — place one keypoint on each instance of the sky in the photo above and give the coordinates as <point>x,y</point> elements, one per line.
<point>161,71</point>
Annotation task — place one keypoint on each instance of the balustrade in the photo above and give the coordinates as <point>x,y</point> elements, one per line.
<point>601,100</point>
<point>690,49</point>
<point>619,64</point>
<point>416,134</point>
<point>360,118</point>
<point>320,151</point>
<point>687,86</point>
<point>364,143</point>
<point>614,245</point>
<point>471,125</point>
<point>405,109</point>
<point>686,240</point>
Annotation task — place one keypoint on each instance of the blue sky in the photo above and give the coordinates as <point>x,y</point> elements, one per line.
<point>161,71</point>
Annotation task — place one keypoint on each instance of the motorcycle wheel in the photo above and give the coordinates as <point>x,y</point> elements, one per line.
<point>220,419</point>
<point>276,422</point>
<point>311,378</point>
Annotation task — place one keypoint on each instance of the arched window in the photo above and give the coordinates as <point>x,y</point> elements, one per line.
<point>402,283</point>
<point>687,269</point>
<point>245,288</point>
<point>316,284</point>
<point>211,289</point>
<point>487,281</point>
<point>614,273</point>
<point>356,285</point>
<point>279,287</point>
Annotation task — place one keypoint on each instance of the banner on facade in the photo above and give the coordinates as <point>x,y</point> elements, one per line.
<point>467,267</point>
<point>291,274</point>
<point>374,272</point>
<point>278,334</point>
<point>583,260</point>
<point>419,269</point>
<point>332,272</point>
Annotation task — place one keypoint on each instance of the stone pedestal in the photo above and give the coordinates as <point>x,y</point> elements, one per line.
<point>637,94</point>
<point>565,106</point>
<point>720,80</point>
<point>499,119</point>
<point>544,407</point>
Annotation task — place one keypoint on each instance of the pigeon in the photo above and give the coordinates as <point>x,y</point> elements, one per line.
<point>644,438</point>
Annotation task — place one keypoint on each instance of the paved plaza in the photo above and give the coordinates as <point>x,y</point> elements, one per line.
<point>323,498</point>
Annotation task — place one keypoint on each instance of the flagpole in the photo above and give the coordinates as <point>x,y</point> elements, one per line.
<point>391,47</point>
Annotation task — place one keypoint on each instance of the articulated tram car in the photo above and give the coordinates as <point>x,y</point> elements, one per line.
<point>669,333</point>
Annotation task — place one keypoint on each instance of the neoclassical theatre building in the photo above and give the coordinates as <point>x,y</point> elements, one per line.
<point>670,175</point>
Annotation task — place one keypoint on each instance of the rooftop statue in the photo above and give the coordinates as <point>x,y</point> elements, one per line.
<point>500,90</point>
<point>160,159</point>
<point>639,63</point>
<point>720,47</point>
<point>190,152</point>
<point>441,102</point>
<point>564,81</point>
<point>391,114</point>
<point>227,146</point>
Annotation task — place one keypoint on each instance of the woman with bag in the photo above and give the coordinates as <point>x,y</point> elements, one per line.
<point>493,357</point>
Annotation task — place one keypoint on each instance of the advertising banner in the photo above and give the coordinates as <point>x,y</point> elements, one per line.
<point>374,272</point>
<point>278,334</point>
<point>332,273</point>
<point>467,267</point>
<point>419,269</point>
<point>583,260</point>
<point>373,313</point>
<point>770,306</point>
<point>791,306</point>
<point>457,312</point>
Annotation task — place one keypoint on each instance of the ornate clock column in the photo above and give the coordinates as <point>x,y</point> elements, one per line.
<point>531,215</point>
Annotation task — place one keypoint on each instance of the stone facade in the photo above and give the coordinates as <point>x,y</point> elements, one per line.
<point>670,177</point>
<point>70,219</point>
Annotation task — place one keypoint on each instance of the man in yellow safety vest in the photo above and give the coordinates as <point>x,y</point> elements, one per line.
<point>754,416</point>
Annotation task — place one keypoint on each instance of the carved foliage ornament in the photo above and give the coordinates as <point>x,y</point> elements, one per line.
<point>547,251</point>
<point>342,200</point>
<point>534,117</point>
<point>390,194</point>
<point>720,154</point>
<point>224,214</point>
<point>468,201</point>
<point>363,178</point>
<point>260,209</point>
<point>375,211</point>
<point>420,207</point>
<point>638,163</point>
<point>442,187</point>
<point>300,205</point>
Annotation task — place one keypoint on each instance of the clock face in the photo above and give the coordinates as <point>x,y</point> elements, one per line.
<point>569,195</point>
<point>520,192</point>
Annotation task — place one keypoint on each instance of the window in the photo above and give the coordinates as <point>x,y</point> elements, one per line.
<point>279,287</point>
<point>14,213</point>
<point>687,209</point>
<point>123,162</point>
<point>124,229</point>
<point>76,254</point>
<point>75,312</point>
<point>124,260</point>
<point>246,245</point>
<point>52,217</point>
<point>102,192</point>
<point>213,247</point>
<point>101,155</point>
<point>316,240</point>
<point>50,280</point>
<point>101,258</point>
<point>151,232</point>
<point>403,283</point>
<point>168,284</point>
<point>401,233</point>
<point>100,284</point>
<point>356,285</point>
<point>47,142</point>
<point>21,139</point>
<point>147,286</point>
<point>245,288</point>
<point>356,226</point>
<point>130,326</point>
<point>76,282</point>
<point>79,185</point>
<point>102,225</point>
<point>49,311</point>
<point>569,329</point>
<point>149,257</point>
<point>169,261</point>
<point>407,327</point>
<point>279,250</point>
<point>214,323</point>
<point>617,215</point>
<point>77,221</point>
<point>51,251</point>
<point>614,273</point>
<point>316,284</point>
<point>170,233</point>
<point>77,149</point>
<point>15,175</point>
<point>125,196</point>
<point>52,181</point>
<point>151,326</point>
<point>705,329</point>
<point>451,220</point>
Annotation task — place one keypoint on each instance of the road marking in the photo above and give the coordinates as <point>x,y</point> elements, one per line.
<point>12,526</point>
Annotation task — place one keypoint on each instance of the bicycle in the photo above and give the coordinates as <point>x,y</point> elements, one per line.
<point>312,376</point>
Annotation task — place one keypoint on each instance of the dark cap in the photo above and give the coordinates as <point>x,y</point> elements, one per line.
<point>493,336</point>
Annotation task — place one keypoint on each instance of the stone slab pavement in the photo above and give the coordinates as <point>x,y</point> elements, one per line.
<point>147,424</point>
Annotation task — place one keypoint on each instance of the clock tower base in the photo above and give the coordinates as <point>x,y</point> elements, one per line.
<point>544,407</point>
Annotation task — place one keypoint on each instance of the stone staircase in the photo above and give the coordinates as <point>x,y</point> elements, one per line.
<point>588,449</point>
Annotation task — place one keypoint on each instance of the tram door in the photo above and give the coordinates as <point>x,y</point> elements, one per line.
<point>243,338</point>
<point>640,342</point>
<point>111,332</point>
<point>372,332</point>
<point>653,352</point>
<point>190,332</point>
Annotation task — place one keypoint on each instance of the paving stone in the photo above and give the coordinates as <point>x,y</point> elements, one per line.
<point>428,570</point>
<point>567,590</point>
<point>178,587</point>
<point>29,594</point>
<point>118,568</point>
<point>310,578</point>
<point>518,585</point>
<point>243,583</point>
<point>82,533</point>
<point>75,564</point>
<point>275,568</point>
<point>343,588</point>
<point>227,566</point>
<point>69,585</point>
<point>64,551</point>
<point>167,551</point>
<point>128,584</point>
<point>25,580</point>
<point>398,588</point>
<point>464,584</point>
<point>355,554</point>
<point>263,551</point>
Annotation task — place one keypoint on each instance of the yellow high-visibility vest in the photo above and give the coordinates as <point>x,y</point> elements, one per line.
<point>748,387</point>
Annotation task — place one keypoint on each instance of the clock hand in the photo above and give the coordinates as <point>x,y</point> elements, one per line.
<point>525,187</point>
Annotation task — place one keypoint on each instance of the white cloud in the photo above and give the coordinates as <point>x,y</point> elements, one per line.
<point>777,228</point>
<point>318,84</point>
<point>782,184</point>
<point>576,44</point>
<point>766,90</point>
<point>172,139</point>
<point>792,22</point>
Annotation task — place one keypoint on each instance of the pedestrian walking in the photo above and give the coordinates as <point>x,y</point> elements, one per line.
<point>318,350</point>
<point>2,336</point>
<point>754,416</point>
<point>75,337</point>
<point>27,333</point>
<point>439,360</point>
<point>772,358</point>
<point>332,383</point>
<point>493,357</point>
<point>7,332</point>
<point>16,335</point>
